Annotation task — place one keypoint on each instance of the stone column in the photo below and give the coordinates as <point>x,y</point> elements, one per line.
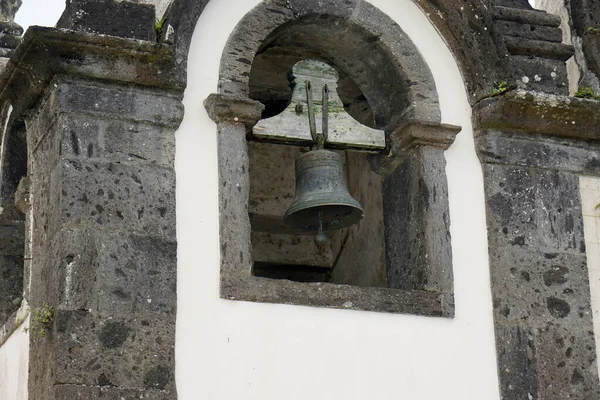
<point>416,213</point>
<point>540,285</point>
<point>100,113</point>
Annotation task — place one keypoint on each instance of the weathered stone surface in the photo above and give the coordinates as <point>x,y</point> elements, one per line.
<point>84,392</point>
<point>109,17</point>
<point>289,249</point>
<point>539,48</point>
<point>416,217</point>
<point>537,288</point>
<point>524,209</point>
<point>11,285</point>
<point>517,365</point>
<point>529,31</point>
<point>532,17</point>
<point>586,15</point>
<point>129,198</point>
<point>8,9</point>
<point>46,53</point>
<point>97,350</point>
<point>114,272</point>
<point>360,249</point>
<point>523,149</point>
<point>103,188</point>
<point>566,362</point>
<point>532,112</point>
<point>233,109</point>
<point>540,287</point>
<point>540,75</point>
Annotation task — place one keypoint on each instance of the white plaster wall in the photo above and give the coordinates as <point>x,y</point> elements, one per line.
<point>237,350</point>
<point>590,203</point>
<point>14,363</point>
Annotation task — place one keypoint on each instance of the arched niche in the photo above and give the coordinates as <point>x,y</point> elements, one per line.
<point>380,67</point>
<point>385,83</point>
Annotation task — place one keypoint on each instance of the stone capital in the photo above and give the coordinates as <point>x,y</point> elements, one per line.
<point>233,109</point>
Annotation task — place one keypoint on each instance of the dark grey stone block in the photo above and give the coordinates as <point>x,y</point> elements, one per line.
<point>567,362</point>
<point>123,103</point>
<point>524,209</point>
<point>517,363</point>
<point>11,285</point>
<point>534,286</point>
<point>518,148</point>
<point>109,17</point>
<point>111,350</point>
<point>116,196</point>
<point>84,392</point>
<point>417,224</point>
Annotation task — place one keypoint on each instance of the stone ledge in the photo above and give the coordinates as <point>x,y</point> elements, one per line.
<point>534,112</point>
<point>535,17</point>
<point>539,48</point>
<point>47,52</point>
<point>329,295</point>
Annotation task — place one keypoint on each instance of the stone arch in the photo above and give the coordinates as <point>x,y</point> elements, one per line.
<point>363,43</point>
<point>467,28</point>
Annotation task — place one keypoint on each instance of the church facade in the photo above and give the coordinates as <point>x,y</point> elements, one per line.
<point>148,162</point>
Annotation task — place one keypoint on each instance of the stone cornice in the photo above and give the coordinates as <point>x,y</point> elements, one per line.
<point>46,52</point>
<point>539,113</point>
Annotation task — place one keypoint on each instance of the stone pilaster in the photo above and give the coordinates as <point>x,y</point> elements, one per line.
<point>540,285</point>
<point>100,114</point>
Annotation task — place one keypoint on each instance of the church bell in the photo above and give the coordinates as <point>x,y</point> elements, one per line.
<point>322,201</point>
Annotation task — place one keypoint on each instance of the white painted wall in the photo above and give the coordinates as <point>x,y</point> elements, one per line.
<point>14,363</point>
<point>237,350</point>
<point>590,204</point>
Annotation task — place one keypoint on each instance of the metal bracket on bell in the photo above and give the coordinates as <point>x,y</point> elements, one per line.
<point>289,127</point>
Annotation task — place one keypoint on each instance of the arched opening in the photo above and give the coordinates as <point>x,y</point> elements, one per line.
<point>12,217</point>
<point>403,243</point>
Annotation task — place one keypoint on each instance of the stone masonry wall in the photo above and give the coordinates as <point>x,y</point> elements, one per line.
<point>103,249</point>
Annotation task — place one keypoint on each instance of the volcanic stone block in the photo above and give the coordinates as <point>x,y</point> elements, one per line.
<point>523,149</point>
<point>117,18</point>
<point>567,362</point>
<point>82,392</point>
<point>417,225</point>
<point>130,351</point>
<point>537,287</point>
<point>120,102</point>
<point>525,210</point>
<point>128,198</point>
<point>11,285</point>
<point>517,365</point>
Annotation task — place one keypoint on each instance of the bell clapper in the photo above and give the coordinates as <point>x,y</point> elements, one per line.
<point>321,240</point>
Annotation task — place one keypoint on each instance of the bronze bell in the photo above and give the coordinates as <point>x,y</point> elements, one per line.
<point>322,201</point>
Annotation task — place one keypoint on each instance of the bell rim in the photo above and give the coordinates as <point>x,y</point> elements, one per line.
<point>356,216</point>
